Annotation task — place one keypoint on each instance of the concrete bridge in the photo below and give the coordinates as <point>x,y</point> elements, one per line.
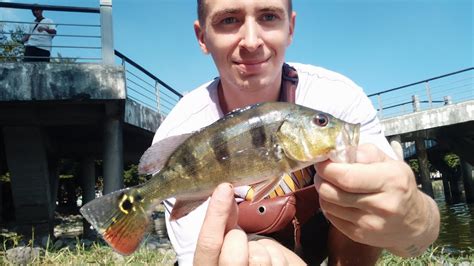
<point>50,112</point>
<point>84,112</point>
<point>450,129</point>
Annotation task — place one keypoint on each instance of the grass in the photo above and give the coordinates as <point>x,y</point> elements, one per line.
<point>95,254</point>
<point>101,254</point>
<point>433,256</point>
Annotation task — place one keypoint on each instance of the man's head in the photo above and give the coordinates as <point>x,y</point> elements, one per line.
<point>37,11</point>
<point>247,40</point>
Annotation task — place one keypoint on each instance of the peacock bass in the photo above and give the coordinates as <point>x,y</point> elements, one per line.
<point>254,145</point>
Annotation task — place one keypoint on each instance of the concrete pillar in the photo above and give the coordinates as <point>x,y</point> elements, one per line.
<point>424,167</point>
<point>87,176</point>
<point>107,32</point>
<point>31,179</point>
<point>455,185</point>
<point>416,103</point>
<point>468,181</point>
<point>446,186</point>
<point>113,155</point>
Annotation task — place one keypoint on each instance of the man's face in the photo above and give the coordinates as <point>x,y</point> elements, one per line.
<point>247,40</point>
<point>37,13</point>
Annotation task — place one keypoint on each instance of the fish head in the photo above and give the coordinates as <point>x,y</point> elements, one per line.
<point>313,136</point>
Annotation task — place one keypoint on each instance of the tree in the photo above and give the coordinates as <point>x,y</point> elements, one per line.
<point>11,47</point>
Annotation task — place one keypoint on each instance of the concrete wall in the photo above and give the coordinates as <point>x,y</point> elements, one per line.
<point>430,119</point>
<point>55,81</point>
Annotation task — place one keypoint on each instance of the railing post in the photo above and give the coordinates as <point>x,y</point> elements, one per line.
<point>416,103</point>
<point>379,99</point>
<point>448,100</point>
<point>157,92</point>
<point>428,93</point>
<point>107,32</point>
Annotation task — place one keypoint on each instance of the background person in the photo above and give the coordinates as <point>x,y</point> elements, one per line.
<point>39,39</point>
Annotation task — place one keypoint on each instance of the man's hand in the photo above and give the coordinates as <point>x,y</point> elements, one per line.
<point>221,242</point>
<point>375,201</point>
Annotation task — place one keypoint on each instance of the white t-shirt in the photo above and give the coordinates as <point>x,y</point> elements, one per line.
<point>42,40</point>
<point>317,88</point>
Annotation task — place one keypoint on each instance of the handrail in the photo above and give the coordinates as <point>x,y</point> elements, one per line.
<point>51,7</point>
<point>422,81</point>
<point>131,62</point>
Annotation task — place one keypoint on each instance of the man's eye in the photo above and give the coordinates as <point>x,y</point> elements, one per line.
<point>229,20</point>
<point>269,17</point>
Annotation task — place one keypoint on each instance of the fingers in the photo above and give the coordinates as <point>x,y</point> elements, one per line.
<point>258,254</point>
<point>212,232</point>
<point>279,254</point>
<point>355,178</point>
<point>235,249</point>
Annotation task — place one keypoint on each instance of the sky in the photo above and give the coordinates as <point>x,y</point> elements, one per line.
<point>379,44</point>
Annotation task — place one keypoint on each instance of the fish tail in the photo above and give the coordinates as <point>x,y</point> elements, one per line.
<point>121,217</point>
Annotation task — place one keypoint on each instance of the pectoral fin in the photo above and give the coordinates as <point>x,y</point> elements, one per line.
<point>184,206</point>
<point>264,188</point>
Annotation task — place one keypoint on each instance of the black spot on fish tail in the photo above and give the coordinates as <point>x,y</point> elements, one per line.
<point>127,205</point>
<point>259,136</point>
<point>220,148</point>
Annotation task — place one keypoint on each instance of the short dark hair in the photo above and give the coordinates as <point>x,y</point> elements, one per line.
<point>201,10</point>
<point>36,7</point>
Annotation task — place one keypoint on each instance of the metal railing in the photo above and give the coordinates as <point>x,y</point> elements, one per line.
<point>146,89</point>
<point>90,43</point>
<point>430,93</point>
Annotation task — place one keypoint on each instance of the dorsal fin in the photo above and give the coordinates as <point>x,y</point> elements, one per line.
<point>156,156</point>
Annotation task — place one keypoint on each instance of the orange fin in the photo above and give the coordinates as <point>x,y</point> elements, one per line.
<point>120,217</point>
<point>184,206</point>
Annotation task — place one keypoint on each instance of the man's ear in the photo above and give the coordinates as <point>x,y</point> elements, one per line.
<point>292,27</point>
<point>198,30</point>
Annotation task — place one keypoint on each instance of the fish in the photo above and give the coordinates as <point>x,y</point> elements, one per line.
<point>255,145</point>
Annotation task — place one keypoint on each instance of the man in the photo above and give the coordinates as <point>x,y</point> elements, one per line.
<point>370,205</point>
<point>39,40</point>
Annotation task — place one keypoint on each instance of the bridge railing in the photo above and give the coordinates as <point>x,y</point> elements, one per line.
<point>430,93</point>
<point>90,42</point>
<point>146,88</point>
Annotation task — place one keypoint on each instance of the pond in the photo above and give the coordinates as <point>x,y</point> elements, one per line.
<point>457,223</point>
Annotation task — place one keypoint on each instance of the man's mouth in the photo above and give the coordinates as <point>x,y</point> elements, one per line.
<point>251,66</point>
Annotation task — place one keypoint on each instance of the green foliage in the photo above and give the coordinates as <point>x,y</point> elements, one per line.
<point>11,47</point>
<point>452,160</point>
<point>413,163</point>
<point>131,176</point>
<point>5,177</point>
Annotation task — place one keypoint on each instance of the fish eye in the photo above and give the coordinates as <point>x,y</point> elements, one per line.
<point>321,120</point>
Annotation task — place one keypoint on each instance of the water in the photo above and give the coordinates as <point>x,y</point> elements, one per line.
<point>457,223</point>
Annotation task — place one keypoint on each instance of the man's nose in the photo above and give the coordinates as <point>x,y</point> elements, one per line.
<point>251,35</point>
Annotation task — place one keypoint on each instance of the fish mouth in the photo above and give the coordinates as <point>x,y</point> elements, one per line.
<point>346,144</point>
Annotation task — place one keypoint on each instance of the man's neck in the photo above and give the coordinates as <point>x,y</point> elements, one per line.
<point>231,99</point>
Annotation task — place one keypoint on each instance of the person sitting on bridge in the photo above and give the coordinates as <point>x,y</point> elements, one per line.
<point>366,206</point>
<point>39,40</point>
